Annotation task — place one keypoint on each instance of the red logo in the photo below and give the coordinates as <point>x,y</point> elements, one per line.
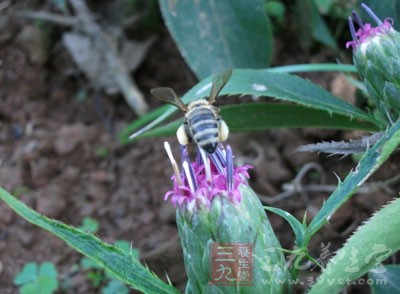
<point>232,264</point>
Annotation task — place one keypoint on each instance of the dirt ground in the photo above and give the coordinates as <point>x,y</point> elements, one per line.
<point>61,156</point>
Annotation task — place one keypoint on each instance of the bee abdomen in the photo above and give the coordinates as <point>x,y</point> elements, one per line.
<point>205,136</point>
<point>207,139</point>
<point>204,130</point>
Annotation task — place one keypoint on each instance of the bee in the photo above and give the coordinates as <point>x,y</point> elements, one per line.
<point>202,123</point>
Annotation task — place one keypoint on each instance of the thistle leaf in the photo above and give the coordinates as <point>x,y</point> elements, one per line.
<point>371,244</point>
<point>369,163</point>
<point>112,258</point>
<point>342,148</point>
<point>258,82</point>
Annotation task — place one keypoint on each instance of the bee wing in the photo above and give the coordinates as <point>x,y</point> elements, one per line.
<point>168,95</point>
<point>218,83</point>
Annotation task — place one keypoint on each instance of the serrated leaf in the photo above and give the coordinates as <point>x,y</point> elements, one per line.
<point>297,227</point>
<point>367,248</point>
<point>279,85</point>
<point>386,279</point>
<point>160,114</point>
<point>165,111</point>
<point>342,147</point>
<point>214,35</point>
<point>369,163</point>
<point>110,257</point>
<point>124,245</point>
<point>248,117</point>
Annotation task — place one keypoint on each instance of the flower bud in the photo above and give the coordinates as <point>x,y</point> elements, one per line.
<point>217,208</point>
<point>376,52</point>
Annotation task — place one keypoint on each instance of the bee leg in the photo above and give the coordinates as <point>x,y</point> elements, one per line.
<point>223,130</point>
<point>182,136</point>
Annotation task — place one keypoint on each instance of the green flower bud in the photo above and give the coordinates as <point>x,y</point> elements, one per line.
<point>228,243</point>
<point>376,55</point>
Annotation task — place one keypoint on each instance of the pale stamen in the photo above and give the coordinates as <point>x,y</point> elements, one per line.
<point>184,154</point>
<point>220,152</point>
<point>217,162</point>
<point>352,28</point>
<point>198,159</point>
<point>206,162</point>
<point>229,168</point>
<point>185,158</point>
<point>357,19</point>
<point>167,148</point>
<point>189,176</point>
<point>371,14</point>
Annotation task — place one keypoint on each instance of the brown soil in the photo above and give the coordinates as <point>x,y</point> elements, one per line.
<point>61,156</point>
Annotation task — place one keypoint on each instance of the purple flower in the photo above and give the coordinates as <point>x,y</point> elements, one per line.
<point>209,176</point>
<point>376,58</point>
<point>367,32</point>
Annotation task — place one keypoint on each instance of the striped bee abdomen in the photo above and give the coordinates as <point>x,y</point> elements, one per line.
<point>203,127</point>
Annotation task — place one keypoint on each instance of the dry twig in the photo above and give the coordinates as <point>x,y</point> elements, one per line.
<point>103,63</point>
<point>5,4</point>
<point>51,17</point>
<point>104,44</point>
<point>297,188</point>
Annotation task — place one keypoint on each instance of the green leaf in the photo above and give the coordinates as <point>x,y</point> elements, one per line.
<point>115,286</point>
<point>320,30</point>
<point>47,269</point>
<point>369,163</point>
<point>248,117</point>
<point>33,281</point>
<point>27,274</point>
<point>43,285</point>
<point>279,85</point>
<point>276,9</point>
<point>89,225</point>
<point>314,67</point>
<point>127,248</point>
<point>95,277</point>
<point>297,227</point>
<point>386,279</point>
<point>110,257</point>
<point>152,119</point>
<point>367,248</point>
<point>214,35</point>
<point>310,25</point>
<point>87,263</point>
<point>324,5</point>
